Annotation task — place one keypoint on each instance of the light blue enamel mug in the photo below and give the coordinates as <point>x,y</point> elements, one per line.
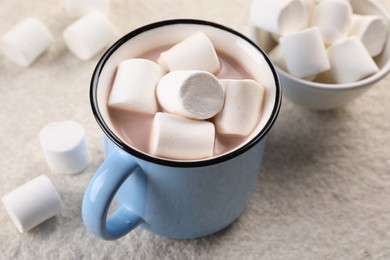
<point>172,198</point>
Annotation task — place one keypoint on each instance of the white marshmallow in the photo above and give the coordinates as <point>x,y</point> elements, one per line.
<point>65,147</point>
<point>280,17</point>
<point>32,203</point>
<point>195,52</point>
<point>242,108</point>
<point>78,8</point>
<point>89,35</point>
<point>372,30</point>
<point>333,18</point>
<point>135,84</point>
<point>350,61</point>
<point>277,57</point>
<point>26,41</point>
<point>304,53</point>
<point>177,137</point>
<point>190,93</point>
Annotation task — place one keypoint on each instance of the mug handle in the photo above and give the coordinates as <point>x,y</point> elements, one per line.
<point>101,191</point>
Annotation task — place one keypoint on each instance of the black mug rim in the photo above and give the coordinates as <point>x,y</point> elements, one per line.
<point>168,162</point>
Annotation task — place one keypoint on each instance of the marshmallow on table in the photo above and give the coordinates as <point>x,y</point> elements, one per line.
<point>372,30</point>
<point>89,35</point>
<point>333,18</point>
<point>350,61</point>
<point>26,41</point>
<point>190,93</point>
<point>78,8</point>
<point>134,85</point>
<point>304,53</point>
<point>195,52</point>
<point>280,17</point>
<point>242,108</point>
<point>64,146</point>
<point>177,137</point>
<point>32,203</point>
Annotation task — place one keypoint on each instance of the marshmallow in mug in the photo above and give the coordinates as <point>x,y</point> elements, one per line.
<point>26,41</point>
<point>280,17</point>
<point>304,52</point>
<point>333,18</point>
<point>372,30</point>
<point>177,137</point>
<point>65,147</point>
<point>350,61</point>
<point>78,8</point>
<point>190,93</point>
<point>195,52</point>
<point>89,35</point>
<point>126,92</point>
<point>32,203</point>
<point>242,107</point>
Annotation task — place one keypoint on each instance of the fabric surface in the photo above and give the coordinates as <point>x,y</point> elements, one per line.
<point>324,188</point>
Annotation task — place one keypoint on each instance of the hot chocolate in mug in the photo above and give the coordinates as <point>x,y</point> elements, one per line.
<point>175,198</point>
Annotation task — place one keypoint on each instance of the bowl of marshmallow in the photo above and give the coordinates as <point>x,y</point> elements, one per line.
<point>326,52</point>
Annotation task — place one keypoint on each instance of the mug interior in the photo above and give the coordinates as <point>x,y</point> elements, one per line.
<point>171,32</point>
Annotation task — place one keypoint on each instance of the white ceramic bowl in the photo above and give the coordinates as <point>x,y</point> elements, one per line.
<point>321,96</point>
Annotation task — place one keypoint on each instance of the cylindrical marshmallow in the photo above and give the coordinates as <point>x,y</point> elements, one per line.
<point>195,52</point>
<point>65,147</point>
<point>181,138</point>
<point>89,35</point>
<point>190,93</point>
<point>304,53</point>
<point>32,203</point>
<point>350,61</point>
<point>135,84</point>
<point>78,8</point>
<point>281,16</point>
<point>372,30</point>
<point>333,18</point>
<point>242,108</point>
<point>277,57</point>
<point>26,41</point>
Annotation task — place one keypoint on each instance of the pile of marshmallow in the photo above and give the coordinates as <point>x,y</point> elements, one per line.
<point>194,101</point>
<point>321,40</point>
<point>85,37</point>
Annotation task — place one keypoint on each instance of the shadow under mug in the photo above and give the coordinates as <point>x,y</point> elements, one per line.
<point>173,198</point>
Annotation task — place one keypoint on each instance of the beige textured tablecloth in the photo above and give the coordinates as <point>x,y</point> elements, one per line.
<point>324,190</point>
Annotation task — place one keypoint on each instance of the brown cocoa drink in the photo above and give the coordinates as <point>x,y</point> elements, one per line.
<point>134,128</point>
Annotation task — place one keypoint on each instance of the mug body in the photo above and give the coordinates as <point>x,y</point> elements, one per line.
<point>190,202</point>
